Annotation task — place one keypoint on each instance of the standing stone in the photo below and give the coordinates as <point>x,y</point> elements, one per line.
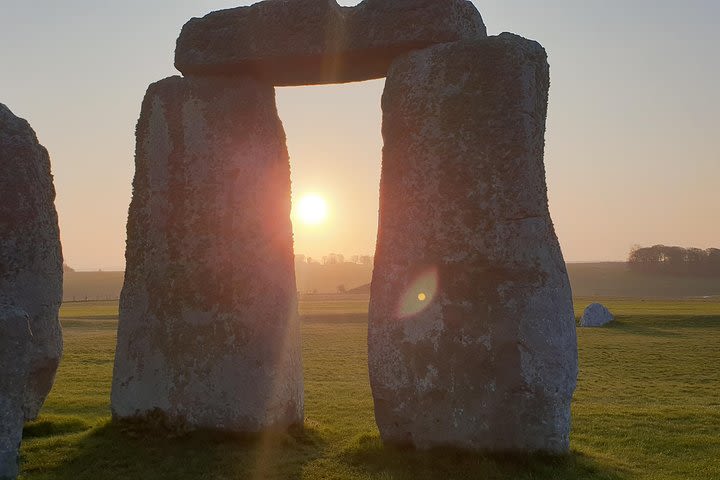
<point>15,351</point>
<point>208,334</point>
<point>596,315</point>
<point>472,336</point>
<point>30,253</point>
<point>305,42</point>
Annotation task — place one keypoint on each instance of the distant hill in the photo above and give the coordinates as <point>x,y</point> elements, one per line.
<point>587,279</point>
<point>79,286</point>
<point>615,279</point>
<point>365,289</point>
<point>317,278</point>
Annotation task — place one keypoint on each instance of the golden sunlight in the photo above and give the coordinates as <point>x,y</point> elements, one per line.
<point>311,209</point>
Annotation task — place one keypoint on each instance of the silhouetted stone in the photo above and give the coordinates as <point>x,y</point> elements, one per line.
<point>209,334</point>
<point>472,335</point>
<point>303,42</point>
<point>30,253</point>
<point>15,351</point>
<point>596,315</point>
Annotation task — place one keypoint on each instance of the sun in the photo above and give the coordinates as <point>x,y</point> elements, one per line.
<point>312,209</point>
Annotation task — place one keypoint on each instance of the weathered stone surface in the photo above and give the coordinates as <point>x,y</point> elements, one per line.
<point>596,315</point>
<point>303,42</point>
<point>30,253</point>
<point>15,350</point>
<point>472,336</point>
<point>208,334</point>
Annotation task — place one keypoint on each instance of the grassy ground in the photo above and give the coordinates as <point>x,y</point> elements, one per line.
<point>647,406</point>
<point>610,279</point>
<point>347,304</point>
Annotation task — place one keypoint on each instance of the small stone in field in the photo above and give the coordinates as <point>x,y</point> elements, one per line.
<point>596,315</point>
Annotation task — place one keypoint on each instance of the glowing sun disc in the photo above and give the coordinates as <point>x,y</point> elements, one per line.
<point>312,210</point>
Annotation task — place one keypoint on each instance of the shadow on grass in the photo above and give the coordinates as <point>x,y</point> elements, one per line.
<point>49,426</point>
<point>369,456</point>
<point>645,329</point>
<point>113,451</point>
<point>663,325</point>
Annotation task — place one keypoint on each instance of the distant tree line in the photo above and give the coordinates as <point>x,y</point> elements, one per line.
<point>336,259</point>
<point>675,260</point>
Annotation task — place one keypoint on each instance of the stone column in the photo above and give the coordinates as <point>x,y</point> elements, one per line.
<point>31,260</point>
<point>15,355</point>
<point>209,334</point>
<point>472,334</point>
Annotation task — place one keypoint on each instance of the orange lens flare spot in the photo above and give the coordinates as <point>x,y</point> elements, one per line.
<point>419,294</point>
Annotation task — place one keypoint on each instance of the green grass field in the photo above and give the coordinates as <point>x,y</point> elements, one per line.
<point>608,279</point>
<point>647,406</point>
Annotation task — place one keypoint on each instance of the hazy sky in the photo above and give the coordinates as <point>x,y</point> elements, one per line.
<point>633,144</point>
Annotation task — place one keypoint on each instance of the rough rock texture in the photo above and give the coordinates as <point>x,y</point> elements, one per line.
<point>208,334</point>
<point>15,351</point>
<point>303,42</point>
<point>472,336</point>
<point>30,253</point>
<point>596,315</point>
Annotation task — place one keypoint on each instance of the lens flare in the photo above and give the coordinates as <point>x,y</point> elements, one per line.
<point>420,294</point>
